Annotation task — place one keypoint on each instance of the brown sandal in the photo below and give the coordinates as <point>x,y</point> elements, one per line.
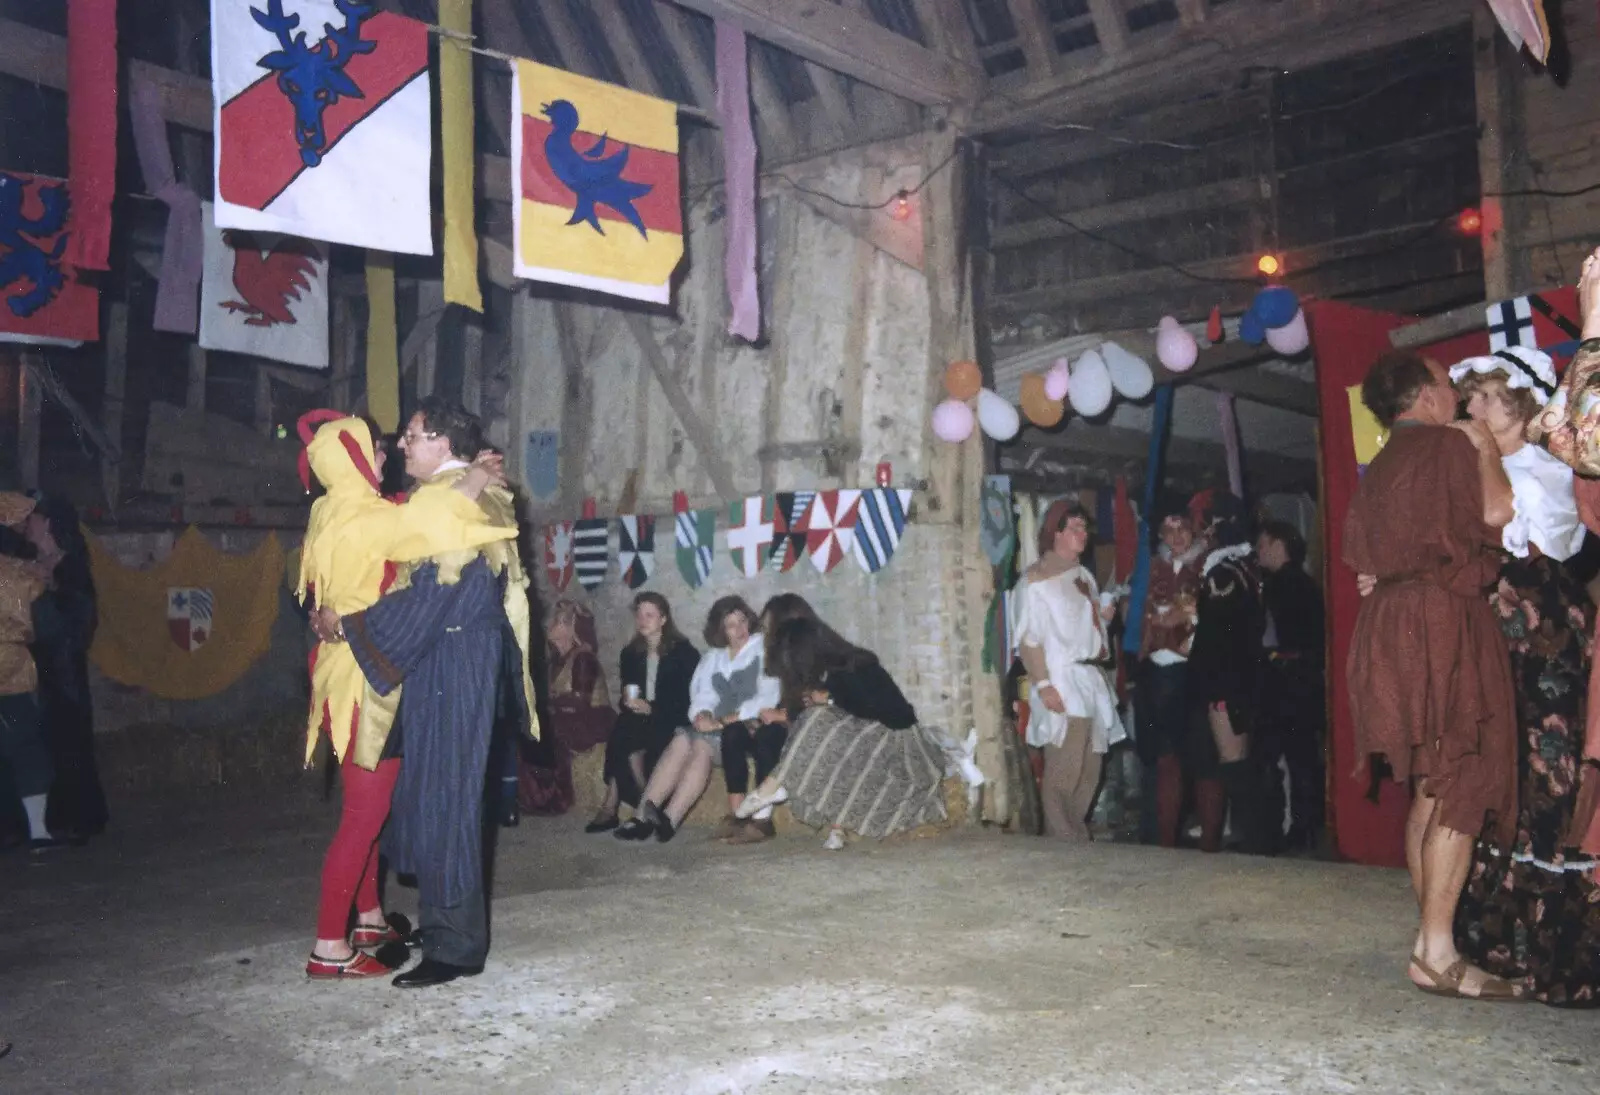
<point>1495,990</point>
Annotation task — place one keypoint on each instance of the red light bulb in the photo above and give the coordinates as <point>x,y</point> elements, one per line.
<point>900,208</point>
<point>1470,221</point>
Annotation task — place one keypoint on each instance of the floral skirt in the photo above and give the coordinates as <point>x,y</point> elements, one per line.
<point>1531,912</point>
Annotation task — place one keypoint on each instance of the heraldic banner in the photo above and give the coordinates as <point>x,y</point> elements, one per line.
<point>323,116</point>
<point>265,294</point>
<point>189,626</point>
<point>44,302</point>
<point>596,201</point>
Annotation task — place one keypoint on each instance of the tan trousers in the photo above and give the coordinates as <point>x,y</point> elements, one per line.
<point>1071,777</point>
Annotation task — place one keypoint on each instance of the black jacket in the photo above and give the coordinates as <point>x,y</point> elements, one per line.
<point>670,709</point>
<point>870,693</point>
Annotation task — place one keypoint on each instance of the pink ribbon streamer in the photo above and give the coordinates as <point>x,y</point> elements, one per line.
<point>182,249</point>
<point>1230,443</point>
<point>739,167</point>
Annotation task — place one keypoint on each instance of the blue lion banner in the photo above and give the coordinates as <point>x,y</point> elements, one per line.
<point>41,301</point>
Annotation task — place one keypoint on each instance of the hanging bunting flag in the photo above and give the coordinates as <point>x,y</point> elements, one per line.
<point>589,551</point>
<point>1542,321</point>
<point>323,122</point>
<point>383,343</point>
<point>182,247</point>
<point>1524,24</point>
<point>789,528</point>
<point>44,302</point>
<point>596,202</point>
<point>456,129</point>
<point>739,175</point>
<point>636,549</point>
<point>880,522</point>
<point>830,523</point>
<point>997,533</point>
<point>91,128</point>
<point>265,295</point>
<point>749,534</point>
<point>696,532</point>
<point>558,554</point>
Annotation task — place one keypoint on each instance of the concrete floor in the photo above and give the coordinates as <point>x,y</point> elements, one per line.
<point>167,958</point>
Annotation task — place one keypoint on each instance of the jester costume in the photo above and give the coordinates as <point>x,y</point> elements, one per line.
<point>354,544</point>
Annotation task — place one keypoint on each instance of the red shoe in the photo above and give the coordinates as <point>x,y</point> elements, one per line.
<point>357,965</point>
<point>370,936</point>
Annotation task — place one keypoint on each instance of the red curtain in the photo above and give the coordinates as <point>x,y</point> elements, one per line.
<point>91,129</point>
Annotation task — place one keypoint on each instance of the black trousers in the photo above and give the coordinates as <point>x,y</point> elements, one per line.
<point>741,742</point>
<point>634,733</point>
<point>459,934</point>
<point>22,742</point>
<point>1294,727</point>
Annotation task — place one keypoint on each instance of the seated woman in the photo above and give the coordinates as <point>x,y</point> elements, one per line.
<point>657,667</point>
<point>728,693</point>
<point>580,710</point>
<point>855,759</point>
<point>63,627</point>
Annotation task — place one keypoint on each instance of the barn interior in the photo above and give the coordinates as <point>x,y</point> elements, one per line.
<point>1012,183</point>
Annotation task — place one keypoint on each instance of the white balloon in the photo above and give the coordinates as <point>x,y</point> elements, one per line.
<point>1091,385</point>
<point>1130,374</point>
<point>1292,338</point>
<point>1176,348</point>
<point>998,418</point>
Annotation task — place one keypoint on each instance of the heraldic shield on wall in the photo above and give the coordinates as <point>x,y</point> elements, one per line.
<point>323,116</point>
<point>265,294</point>
<point>41,301</point>
<point>597,202</point>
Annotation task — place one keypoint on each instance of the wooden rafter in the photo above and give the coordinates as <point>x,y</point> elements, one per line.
<point>702,81</point>
<point>1033,34</point>
<point>625,46</point>
<point>846,42</point>
<point>1191,13</point>
<point>1297,36</point>
<point>1110,26</point>
<point>945,23</point>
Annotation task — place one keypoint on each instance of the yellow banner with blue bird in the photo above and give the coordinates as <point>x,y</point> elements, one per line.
<point>597,202</point>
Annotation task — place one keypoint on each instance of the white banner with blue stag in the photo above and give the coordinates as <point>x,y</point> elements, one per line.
<point>322,122</point>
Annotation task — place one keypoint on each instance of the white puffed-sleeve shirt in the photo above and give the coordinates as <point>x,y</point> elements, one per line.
<point>1056,616</point>
<point>1545,512</point>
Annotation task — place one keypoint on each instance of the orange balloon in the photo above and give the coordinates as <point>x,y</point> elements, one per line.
<point>1039,407</point>
<point>963,379</point>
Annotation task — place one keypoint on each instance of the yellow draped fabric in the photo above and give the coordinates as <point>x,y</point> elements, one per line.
<point>134,643</point>
<point>353,533</point>
<point>503,558</point>
<point>1365,431</point>
<point>455,140</point>
<point>383,343</point>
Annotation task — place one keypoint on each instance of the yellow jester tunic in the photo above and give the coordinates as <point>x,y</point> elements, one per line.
<point>499,508</point>
<point>353,536</point>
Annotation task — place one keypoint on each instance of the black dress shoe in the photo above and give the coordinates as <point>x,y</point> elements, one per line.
<point>635,828</point>
<point>431,971</point>
<point>602,825</point>
<point>658,820</point>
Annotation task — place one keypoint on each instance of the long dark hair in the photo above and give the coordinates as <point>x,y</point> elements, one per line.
<point>73,576</point>
<point>801,653</point>
<point>670,635</point>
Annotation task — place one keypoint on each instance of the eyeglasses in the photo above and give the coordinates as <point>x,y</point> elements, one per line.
<point>411,438</point>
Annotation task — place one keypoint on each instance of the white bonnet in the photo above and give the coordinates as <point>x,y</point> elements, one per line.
<point>1522,366</point>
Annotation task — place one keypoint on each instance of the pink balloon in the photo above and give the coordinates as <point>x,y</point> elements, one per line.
<point>1175,347</point>
<point>953,421</point>
<point>1057,380</point>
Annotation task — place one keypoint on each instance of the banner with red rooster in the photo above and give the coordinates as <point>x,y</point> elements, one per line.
<point>266,295</point>
<point>323,122</point>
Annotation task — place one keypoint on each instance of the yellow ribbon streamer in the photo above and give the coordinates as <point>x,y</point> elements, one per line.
<point>456,129</point>
<point>383,343</point>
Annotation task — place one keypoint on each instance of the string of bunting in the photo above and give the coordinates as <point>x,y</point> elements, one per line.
<point>761,532</point>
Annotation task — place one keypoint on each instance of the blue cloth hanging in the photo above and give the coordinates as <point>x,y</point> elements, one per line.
<point>1133,630</point>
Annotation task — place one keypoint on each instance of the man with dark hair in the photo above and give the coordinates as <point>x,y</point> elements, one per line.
<point>454,631</point>
<point>1429,674</point>
<point>1293,700</point>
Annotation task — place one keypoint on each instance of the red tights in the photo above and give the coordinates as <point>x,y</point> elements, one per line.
<point>350,873</point>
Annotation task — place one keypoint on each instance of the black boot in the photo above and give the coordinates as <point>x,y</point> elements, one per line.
<point>1242,781</point>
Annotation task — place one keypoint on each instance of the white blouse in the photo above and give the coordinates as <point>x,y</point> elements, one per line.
<point>1055,616</point>
<point>733,684</point>
<point>1545,512</point>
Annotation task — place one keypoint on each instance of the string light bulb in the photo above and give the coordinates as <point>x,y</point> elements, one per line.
<point>900,208</point>
<point>1470,221</point>
<point>1269,265</point>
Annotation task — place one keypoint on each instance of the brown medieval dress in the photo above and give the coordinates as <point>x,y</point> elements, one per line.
<point>1429,674</point>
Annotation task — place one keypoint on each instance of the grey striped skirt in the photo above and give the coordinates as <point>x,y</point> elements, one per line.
<point>860,775</point>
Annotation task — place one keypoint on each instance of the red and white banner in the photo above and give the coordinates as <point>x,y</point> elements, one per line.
<point>830,525</point>
<point>558,562</point>
<point>323,120</point>
<point>266,295</point>
<point>41,301</point>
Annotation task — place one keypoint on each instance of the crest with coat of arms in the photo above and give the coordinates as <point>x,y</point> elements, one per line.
<point>189,613</point>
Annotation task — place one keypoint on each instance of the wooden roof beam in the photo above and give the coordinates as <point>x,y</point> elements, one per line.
<point>1035,38</point>
<point>1110,26</point>
<point>846,42</point>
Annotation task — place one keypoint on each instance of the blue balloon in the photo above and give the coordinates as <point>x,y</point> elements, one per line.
<point>1251,329</point>
<point>1275,307</point>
